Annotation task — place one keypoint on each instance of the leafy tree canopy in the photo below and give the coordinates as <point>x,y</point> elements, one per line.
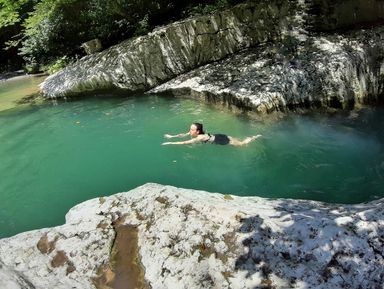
<point>10,11</point>
<point>46,30</point>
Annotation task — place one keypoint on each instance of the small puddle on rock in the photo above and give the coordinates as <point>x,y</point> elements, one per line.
<point>124,270</point>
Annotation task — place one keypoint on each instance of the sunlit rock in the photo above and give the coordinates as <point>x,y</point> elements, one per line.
<point>334,71</point>
<point>141,63</point>
<point>291,65</point>
<point>179,238</point>
<point>92,46</point>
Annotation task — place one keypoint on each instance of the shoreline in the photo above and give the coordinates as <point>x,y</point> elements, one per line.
<point>19,90</point>
<point>9,76</point>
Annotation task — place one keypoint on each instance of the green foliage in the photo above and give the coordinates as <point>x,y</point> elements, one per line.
<point>10,11</point>
<point>142,27</point>
<point>202,9</point>
<point>50,30</point>
<point>58,64</point>
<point>32,67</point>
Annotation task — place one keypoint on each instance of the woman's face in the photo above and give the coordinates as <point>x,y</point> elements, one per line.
<point>193,130</point>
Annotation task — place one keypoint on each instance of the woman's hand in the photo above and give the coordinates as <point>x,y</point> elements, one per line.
<point>166,143</point>
<point>167,136</point>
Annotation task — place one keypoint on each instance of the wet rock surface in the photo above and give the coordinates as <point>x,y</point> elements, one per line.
<point>182,238</point>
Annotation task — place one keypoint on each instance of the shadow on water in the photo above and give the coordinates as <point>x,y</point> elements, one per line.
<point>312,245</point>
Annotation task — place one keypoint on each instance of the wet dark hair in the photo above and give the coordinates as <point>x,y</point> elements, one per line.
<point>199,127</point>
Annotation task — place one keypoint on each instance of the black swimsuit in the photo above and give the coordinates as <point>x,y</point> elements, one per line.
<point>220,139</point>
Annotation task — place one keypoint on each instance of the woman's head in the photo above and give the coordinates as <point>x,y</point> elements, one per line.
<point>196,129</point>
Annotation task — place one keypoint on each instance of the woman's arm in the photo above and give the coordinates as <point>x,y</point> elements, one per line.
<point>191,141</point>
<point>176,135</point>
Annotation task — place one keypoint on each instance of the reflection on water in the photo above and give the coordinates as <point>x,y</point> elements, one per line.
<point>55,156</point>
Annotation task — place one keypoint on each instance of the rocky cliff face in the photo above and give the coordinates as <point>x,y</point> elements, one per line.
<point>144,62</point>
<point>290,65</point>
<point>331,71</point>
<point>163,237</point>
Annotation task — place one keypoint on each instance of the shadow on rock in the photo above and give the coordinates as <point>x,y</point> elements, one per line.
<point>315,245</point>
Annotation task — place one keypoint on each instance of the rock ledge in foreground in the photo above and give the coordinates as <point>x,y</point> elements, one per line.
<point>195,239</point>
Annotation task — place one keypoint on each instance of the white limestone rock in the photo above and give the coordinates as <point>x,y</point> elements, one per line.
<point>141,63</point>
<point>290,66</point>
<point>196,239</point>
<point>332,71</point>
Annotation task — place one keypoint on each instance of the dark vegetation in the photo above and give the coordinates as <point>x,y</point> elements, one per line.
<point>38,35</point>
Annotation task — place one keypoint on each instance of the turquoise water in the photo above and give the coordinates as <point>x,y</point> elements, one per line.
<point>56,155</point>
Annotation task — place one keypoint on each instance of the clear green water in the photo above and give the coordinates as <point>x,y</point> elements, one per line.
<point>15,89</point>
<point>54,156</point>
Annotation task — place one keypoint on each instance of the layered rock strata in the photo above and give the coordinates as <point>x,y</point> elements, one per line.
<point>166,237</point>
<point>141,63</point>
<point>333,71</point>
<point>292,64</point>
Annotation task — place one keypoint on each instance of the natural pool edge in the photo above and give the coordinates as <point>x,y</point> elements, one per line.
<point>33,96</point>
<point>189,237</point>
<point>254,115</point>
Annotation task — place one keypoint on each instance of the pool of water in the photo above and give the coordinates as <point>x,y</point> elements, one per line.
<point>56,155</point>
<point>15,90</point>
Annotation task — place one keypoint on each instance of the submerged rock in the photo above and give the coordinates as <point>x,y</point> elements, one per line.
<point>181,238</point>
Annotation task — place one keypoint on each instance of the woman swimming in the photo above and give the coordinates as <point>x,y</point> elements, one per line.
<point>198,135</point>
